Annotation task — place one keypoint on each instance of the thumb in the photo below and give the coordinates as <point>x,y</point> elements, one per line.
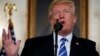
<point>18,43</point>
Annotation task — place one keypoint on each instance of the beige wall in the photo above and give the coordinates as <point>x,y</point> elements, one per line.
<point>94,22</point>
<point>19,20</point>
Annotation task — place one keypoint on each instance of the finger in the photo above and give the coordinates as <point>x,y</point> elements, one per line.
<point>18,43</point>
<point>9,34</point>
<point>4,36</point>
<point>10,37</point>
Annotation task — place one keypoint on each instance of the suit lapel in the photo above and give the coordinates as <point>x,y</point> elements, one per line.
<point>75,47</point>
<point>49,47</point>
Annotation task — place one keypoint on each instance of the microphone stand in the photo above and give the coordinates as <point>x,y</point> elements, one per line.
<point>56,42</point>
<point>58,26</point>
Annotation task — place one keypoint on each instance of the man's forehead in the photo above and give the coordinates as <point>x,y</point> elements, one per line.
<point>61,7</point>
<point>62,4</point>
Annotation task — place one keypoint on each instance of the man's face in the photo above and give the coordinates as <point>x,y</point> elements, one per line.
<point>65,15</point>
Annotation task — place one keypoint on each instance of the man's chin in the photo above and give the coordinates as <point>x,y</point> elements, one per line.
<point>63,32</point>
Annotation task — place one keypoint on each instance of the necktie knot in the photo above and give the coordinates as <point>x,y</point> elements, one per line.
<point>63,40</point>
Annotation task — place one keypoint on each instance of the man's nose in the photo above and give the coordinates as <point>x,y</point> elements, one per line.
<point>61,16</point>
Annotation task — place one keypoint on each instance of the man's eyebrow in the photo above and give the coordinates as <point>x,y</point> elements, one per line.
<point>66,9</point>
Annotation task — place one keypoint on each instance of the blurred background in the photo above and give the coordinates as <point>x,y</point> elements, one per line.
<point>31,19</point>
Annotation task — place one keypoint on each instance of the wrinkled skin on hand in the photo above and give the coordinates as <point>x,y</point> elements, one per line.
<point>10,48</point>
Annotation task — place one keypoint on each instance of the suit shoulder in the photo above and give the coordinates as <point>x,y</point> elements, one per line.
<point>37,39</point>
<point>87,42</point>
<point>89,46</point>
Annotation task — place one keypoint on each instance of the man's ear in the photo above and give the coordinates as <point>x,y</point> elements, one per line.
<point>75,18</point>
<point>50,19</point>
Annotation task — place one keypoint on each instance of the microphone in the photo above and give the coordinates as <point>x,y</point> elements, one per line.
<point>58,26</point>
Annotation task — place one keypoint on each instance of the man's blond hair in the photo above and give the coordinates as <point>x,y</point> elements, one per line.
<point>60,2</point>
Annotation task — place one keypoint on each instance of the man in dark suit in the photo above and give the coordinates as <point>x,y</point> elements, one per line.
<point>43,46</point>
<point>68,44</point>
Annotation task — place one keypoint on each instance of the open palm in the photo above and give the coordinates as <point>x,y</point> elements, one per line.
<point>10,47</point>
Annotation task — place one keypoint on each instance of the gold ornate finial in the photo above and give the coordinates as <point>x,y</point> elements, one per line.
<point>9,8</point>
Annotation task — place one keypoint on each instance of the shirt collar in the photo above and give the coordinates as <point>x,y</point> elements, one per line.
<point>68,37</point>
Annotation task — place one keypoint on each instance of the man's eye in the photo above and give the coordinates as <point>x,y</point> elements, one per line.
<point>56,13</point>
<point>66,11</point>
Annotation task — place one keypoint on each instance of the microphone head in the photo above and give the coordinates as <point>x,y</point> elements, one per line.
<point>58,26</point>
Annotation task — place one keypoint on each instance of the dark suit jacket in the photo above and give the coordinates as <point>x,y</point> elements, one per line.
<point>43,46</point>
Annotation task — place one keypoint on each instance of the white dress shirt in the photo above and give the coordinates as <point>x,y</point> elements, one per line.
<point>67,43</point>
